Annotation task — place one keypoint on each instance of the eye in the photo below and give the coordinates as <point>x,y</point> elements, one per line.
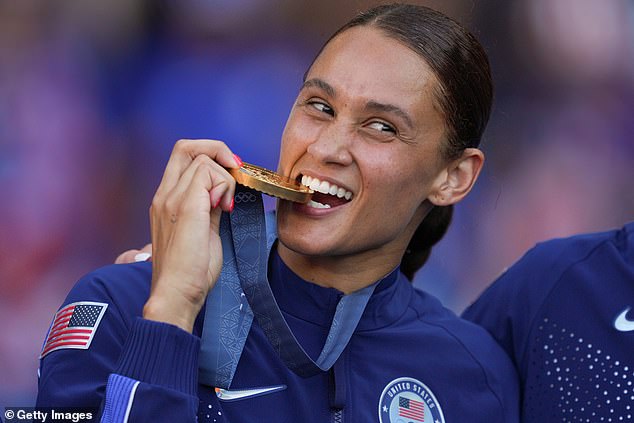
<point>322,107</point>
<point>382,127</point>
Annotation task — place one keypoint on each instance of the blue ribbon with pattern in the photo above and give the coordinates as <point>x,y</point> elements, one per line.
<point>243,292</point>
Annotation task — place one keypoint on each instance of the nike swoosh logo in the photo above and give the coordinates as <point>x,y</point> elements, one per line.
<point>238,394</point>
<point>622,324</point>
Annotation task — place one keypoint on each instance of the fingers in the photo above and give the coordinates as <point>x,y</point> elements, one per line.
<point>180,221</point>
<point>134,255</point>
<point>147,249</point>
<point>213,181</point>
<point>145,254</point>
<point>186,151</point>
<point>211,176</point>
<point>126,257</point>
<point>203,186</point>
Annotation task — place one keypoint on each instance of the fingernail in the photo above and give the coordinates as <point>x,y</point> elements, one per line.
<point>233,203</point>
<point>238,160</point>
<point>142,256</point>
<point>214,201</point>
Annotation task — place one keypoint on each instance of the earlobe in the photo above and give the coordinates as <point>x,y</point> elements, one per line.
<point>458,178</point>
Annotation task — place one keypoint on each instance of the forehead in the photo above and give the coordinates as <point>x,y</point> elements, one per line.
<point>365,61</point>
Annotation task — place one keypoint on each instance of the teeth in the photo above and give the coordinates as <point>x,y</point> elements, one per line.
<point>325,187</point>
<point>317,205</point>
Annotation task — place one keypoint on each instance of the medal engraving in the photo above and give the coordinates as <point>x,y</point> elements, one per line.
<point>271,183</point>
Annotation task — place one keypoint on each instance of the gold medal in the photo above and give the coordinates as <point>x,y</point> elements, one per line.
<point>271,183</point>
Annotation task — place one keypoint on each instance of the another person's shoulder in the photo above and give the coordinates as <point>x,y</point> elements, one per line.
<point>551,258</point>
<point>532,277</point>
<point>549,273</point>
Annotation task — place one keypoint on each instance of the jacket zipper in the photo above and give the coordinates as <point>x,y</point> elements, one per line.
<point>338,388</point>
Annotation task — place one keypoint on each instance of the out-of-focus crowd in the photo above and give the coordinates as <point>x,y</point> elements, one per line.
<point>93,95</point>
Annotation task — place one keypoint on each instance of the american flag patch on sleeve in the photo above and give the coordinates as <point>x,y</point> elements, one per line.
<point>74,326</point>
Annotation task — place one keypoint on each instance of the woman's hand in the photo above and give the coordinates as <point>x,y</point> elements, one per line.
<point>185,218</point>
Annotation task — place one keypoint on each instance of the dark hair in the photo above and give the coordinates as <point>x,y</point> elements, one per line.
<point>464,94</point>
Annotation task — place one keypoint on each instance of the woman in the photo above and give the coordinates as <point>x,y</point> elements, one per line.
<point>385,126</point>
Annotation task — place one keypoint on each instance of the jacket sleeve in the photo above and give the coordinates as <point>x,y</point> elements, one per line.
<point>134,370</point>
<point>155,379</point>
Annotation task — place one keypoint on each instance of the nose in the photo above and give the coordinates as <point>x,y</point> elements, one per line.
<point>332,146</point>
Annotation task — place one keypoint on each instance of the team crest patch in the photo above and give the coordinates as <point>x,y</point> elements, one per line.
<point>74,326</point>
<point>407,400</point>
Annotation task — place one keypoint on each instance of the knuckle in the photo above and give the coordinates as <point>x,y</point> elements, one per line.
<point>160,196</point>
<point>211,170</point>
<point>170,206</point>
<point>202,159</point>
<point>180,144</point>
<point>157,202</point>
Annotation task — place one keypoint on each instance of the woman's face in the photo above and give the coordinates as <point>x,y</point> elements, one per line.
<point>365,128</point>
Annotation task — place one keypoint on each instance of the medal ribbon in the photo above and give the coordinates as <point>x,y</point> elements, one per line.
<point>243,291</point>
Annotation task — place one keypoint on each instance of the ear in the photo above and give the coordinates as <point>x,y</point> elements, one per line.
<point>457,179</point>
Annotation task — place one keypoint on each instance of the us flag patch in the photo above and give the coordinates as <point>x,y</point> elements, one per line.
<point>74,326</point>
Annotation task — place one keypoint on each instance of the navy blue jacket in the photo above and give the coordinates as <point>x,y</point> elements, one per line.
<point>409,360</point>
<point>563,314</point>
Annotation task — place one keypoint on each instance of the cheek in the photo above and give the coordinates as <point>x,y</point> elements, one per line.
<point>398,182</point>
<point>296,137</point>
<point>289,145</point>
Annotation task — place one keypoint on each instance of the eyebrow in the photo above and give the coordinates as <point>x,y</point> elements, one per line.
<point>389,108</point>
<point>321,84</point>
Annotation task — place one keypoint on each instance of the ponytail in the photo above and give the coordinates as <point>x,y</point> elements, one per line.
<point>429,232</point>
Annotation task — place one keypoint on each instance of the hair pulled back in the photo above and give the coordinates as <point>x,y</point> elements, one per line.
<point>464,94</point>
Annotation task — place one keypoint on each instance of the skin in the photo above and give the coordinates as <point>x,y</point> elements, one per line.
<point>130,256</point>
<point>365,120</point>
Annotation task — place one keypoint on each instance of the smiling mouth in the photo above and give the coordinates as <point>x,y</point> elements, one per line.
<point>326,195</point>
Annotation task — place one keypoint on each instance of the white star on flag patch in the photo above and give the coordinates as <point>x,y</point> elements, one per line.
<point>74,326</point>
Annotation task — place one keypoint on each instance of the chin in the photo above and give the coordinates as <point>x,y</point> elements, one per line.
<point>307,235</point>
<point>303,244</point>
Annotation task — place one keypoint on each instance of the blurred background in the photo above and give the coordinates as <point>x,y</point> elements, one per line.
<point>93,94</point>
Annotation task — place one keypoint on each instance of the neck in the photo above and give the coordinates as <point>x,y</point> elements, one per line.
<point>344,273</point>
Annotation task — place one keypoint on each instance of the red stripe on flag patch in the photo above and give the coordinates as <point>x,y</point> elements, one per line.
<point>74,326</point>
<point>411,409</point>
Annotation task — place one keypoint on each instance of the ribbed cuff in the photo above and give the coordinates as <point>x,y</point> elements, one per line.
<point>161,354</point>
